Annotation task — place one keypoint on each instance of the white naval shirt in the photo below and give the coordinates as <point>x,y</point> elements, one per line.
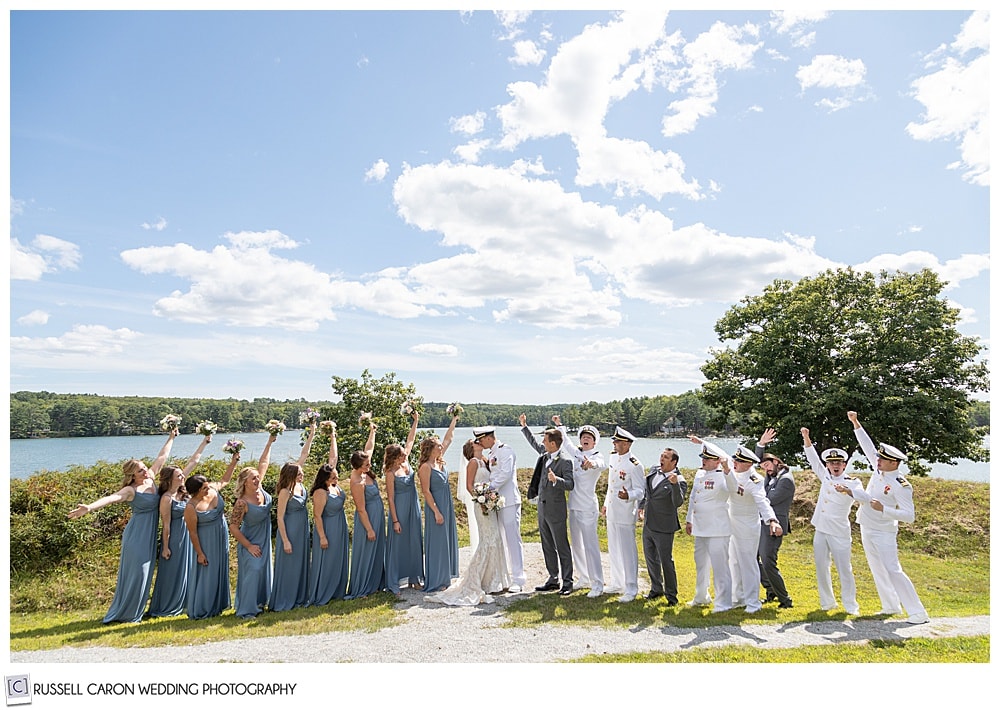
<point>748,504</point>
<point>708,504</point>
<point>582,496</point>
<point>624,471</point>
<point>891,489</point>
<point>833,509</point>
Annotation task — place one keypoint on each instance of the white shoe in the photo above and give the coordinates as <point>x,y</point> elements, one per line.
<point>918,619</point>
<point>624,598</point>
<point>853,612</point>
<point>720,609</point>
<point>514,589</point>
<point>890,612</point>
<point>753,609</point>
<point>614,590</point>
<point>595,592</point>
<point>694,603</point>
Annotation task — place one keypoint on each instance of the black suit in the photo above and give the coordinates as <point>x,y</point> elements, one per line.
<point>552,513</point>
<point>660,522</point>
<point>780,490</point>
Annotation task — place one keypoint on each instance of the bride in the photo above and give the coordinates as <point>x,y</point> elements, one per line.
<point>487,573</point>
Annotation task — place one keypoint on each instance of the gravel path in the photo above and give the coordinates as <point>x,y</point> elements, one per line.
<point>460,636</point>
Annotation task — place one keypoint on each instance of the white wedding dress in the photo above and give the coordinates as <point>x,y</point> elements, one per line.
<point>487,572</point>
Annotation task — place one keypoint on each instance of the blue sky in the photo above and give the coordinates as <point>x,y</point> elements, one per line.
<point>525,207</point>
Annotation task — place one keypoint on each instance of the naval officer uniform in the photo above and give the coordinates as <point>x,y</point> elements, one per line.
<point>625,473</point>
<point>748,506</point>
<point>583,512</point>
<point>502,464</point>
<point>708,521</point>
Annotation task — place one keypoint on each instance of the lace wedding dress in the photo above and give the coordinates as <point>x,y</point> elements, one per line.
<point>487,572</point>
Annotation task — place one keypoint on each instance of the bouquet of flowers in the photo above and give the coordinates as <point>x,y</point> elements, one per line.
<point>406,408</point>
<point>328,426</point>
<point>309,416</point>
<point>274,427</point>
<point>233,446</point>
<point>365,417</point>
<point>487,497</point>
<point>454,409</point>
<point>170,422</point>
<point>207,427</point>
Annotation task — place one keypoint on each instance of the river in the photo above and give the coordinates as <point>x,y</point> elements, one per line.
<point>28,456</point>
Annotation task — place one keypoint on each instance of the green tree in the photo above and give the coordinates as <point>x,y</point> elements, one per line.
<point>805,353</point>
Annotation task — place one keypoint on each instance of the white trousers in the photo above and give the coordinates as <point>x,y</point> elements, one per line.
<point>745,571</point>
<point>510,525</point>
<point>711,559</point>
<point>586,548</point>
<point>825,548</point>
<point>624,557</point>
<point>894,587</point>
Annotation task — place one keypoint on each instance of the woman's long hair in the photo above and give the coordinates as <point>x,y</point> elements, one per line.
<point>322,481</point>
<point>241,480</point>
<point>129,468</point>
<point>166,478</point>
<point>392,457</point>
<point>427,447</point>
<point>286,477</point>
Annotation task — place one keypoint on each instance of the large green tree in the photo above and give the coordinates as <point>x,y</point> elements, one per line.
<point>887,346</point>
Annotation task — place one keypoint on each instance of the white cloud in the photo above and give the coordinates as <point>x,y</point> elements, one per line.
<point>377,171</point>
<point>846,77</point>
<point>159,225</point>
<point>436,349</point>
<point>46,254</point>
<point>83,340</point>
<point>470,152</point>
<point>624,361</point>
<point>527,53</point>
<point>795,21</point>
<point>512,20</point>
<point>470,124</point>
<point>36,317</point>
<point>953,271</point>
<point>16,207</point>
<point>956,101</point>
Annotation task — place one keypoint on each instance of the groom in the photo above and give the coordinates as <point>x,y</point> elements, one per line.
<point>553,476</point>
<point>502,464</point>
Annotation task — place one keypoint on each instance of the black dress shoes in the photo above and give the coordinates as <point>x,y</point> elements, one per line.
<point>566,590</point>
<point>549,586</point>
<point>785,604</point>
<point>654,595</point>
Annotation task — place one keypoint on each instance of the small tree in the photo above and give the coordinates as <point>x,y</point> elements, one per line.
<point>886,346</point>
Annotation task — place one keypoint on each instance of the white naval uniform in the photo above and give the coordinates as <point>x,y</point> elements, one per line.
<point>832,538</point>
<point>624,472</point>
<point>708,514</point>
<point>503,477</point>
<point>583,514</point>
<point>748,506</point>
<point>878,533</point>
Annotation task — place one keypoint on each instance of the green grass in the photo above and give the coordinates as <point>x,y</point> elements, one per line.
<point>970,649</point>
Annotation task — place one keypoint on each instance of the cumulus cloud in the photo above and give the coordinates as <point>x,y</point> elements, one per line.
<point>436,349</point>
<point>159,225</point>
<point>624,361</point>
<point>377,172</point>
<point>797,25</point>
<point>36,317</point>
<point>953,271</point>
<point>471,151</point>
<point>527,53</point>
<point>87,340</point>
<point>956,99</point>
<point>845,77</point>
<point>470,124</point>
<point>46,254</point>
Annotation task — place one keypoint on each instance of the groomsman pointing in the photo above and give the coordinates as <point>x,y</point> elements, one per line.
<point>502,464</point>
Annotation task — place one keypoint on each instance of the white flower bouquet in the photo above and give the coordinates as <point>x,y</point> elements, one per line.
<point>207,427</point>
<point>365,417</point>
<point>454,409</point>
<point>406,408</point>
<point>487,498</point>
<point>170,422</point>
<point>328,426</point>
<point>309,416</point>
<point>233,446</point>
<point>274,427</point>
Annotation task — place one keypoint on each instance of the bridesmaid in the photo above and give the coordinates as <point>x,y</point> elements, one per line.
<point>330,543</point>
<point>250,524</point>
<point>208,585</point>
<point>404,556</point>
<point>176,554</point>
<point>290,588</point>
<point>138,555</point>
<point>367,549</point>
<point>440,529</point>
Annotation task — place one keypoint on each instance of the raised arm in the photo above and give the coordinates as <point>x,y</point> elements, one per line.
<point>865,441</point>
<point>333,456</point>
<point>370,443</point>
<point>535,444</point>
<point>308,445</point>
<point>196,456</point>
<point>265,456</point>
<point>448,436</point>
<point>412,435</point>
<point>161,458</point>
<point>228,475</point>
<point>815,462</point>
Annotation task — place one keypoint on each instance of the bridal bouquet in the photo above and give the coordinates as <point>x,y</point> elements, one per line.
<point>170,422</point>
<point>406,408</point>
<point>454,409</point>
<point>365,416</point>
<point>207,427</point>
<point>274,427</point>
<point>328,426</point>
<point>309,416</point>
<point>233,446</point>
<point>487,497</point>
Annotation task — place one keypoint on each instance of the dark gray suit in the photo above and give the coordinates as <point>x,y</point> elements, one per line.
<point>552,510</point>
<point>780,491</point>
<point>659,506</point>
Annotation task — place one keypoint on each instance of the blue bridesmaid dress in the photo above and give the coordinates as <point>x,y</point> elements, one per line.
<point>290,588</point>
<point>138,557</point>
<point>328,571</point>
<point>368,556</point>
<point>208,585</point>
<point>253,581</point>
<point>441,541</point>
<point>404,556</point>
<point>170,590</point>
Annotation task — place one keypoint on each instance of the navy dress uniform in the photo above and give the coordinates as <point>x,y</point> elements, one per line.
<point>625,473</point>
<point>584,511</point>
<point>879,527</point>
<point>832,539</point>
<point>708,521</point>
<point>748,506</point>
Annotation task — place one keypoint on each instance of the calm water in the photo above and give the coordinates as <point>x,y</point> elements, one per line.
<point>30,455</point>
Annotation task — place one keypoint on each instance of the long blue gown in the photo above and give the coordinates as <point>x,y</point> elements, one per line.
<point>404,555</point>
<point>440,541</point>
<point>138,557</point>
<point>368,556</point>
<point>290,587</point>
<point>208,585</point>
<point>170,590</point>
<point>329,567</point>
<point>253,581</point>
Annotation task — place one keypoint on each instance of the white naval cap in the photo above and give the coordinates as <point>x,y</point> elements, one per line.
<point>480,431</point>
<point>835,455</point>
<point>885,451</point>
<point>711,451</point>
<point>622,435</point>
<point>592,430</point>
<point>745,455</point>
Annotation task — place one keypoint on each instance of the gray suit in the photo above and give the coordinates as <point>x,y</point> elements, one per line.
<point>659,506</point>
<point>780,491</point>
<point>552,510</point>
